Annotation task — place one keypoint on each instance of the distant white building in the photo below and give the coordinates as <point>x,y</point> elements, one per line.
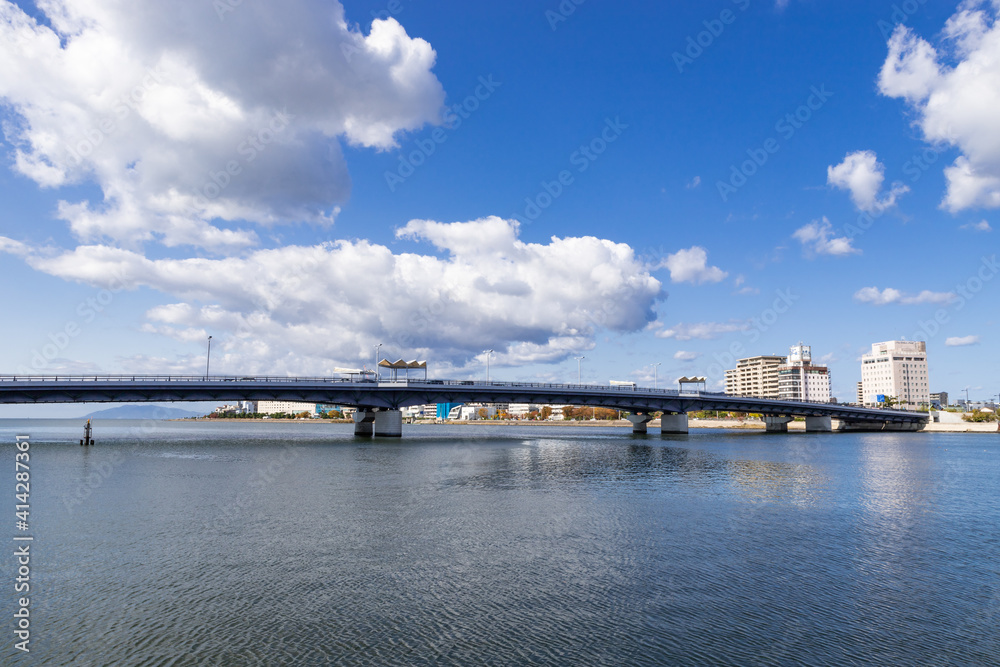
<point>521,410</point>
<point>288,407</point>
<point>896,369</point>
<point>427,411</point>
<point>800,380</point>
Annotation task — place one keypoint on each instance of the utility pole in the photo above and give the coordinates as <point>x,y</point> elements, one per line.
<point>208,359</point>
<point>579,369</point>
<point>488,353</point>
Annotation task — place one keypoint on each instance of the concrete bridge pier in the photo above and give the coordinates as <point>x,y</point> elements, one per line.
<point>389,424</point>
<point>819,424</point>
<point>364,423</point>
<point>869,426</point>
<point>908,426</point>
<point>639,421</point>
<point>674,423</point>
<point>378,422</point>
<point>776,423</point>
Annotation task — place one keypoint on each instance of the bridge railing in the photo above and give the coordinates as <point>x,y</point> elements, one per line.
<point>167,378</point>
<point>367,379</point>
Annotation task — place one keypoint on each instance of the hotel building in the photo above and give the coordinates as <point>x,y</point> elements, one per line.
<point>800,380</point>
<point>896,369</point>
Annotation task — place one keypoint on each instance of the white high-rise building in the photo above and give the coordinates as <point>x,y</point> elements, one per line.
<point>754,377</point>
<point>800,380</point>
<point>896,369</point>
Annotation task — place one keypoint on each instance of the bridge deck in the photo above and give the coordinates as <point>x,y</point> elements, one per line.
<point>397,394</point>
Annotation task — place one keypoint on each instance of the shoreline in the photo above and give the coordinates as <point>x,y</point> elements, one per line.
<point>731,424</point>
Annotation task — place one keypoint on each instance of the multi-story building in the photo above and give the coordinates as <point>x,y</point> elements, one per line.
<point>861,393</point>
<point>800,380</point>
<point>755,377</point>
<point>896,369</point>
<point>288,407</point>
<point>939,399</point>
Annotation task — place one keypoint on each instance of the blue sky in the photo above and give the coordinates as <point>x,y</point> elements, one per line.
<point>363,207</point>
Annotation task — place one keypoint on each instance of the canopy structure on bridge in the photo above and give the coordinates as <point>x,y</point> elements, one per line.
<point>681,381</point>
<point>405,366</point>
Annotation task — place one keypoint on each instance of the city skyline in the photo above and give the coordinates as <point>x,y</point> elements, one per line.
<point>633,185</point>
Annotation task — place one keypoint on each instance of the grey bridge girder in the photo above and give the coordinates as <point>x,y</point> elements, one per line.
<point>400,394</point>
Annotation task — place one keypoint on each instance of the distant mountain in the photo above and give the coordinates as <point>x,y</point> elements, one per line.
<point>142,412</point>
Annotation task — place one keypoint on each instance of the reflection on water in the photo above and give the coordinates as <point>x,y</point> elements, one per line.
<point>195,544</point>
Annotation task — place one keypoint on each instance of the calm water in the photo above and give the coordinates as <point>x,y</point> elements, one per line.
<point>242,544</point>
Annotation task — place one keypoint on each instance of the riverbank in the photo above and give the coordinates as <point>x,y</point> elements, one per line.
<point>732,424</point>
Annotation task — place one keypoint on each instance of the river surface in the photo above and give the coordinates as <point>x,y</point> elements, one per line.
<point>191,543</point>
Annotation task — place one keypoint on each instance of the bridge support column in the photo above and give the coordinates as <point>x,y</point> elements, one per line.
<point>673,423</point>
<point>639,421</point>
<point>364,423</point>
<point>388,424</point>
<point>904,426</point>
<point>776,423</point>
<point>819,424</point>
<point>844,425</point>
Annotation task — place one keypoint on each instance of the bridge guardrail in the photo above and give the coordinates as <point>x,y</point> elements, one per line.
<point>624,389</point>
<point>424,384</point>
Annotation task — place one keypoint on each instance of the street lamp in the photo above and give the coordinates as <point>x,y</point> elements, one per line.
<point>208,359</point>
<point>376,359</point>
<point>654,373</point>
<point>488,353</point>
<point>579,369</point>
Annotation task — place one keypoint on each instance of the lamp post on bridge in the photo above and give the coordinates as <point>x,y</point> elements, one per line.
<point>654,373</point>
<point>579,369</point>
<point>488,353</point>
<point>208,358</point>
<point>376,360</point>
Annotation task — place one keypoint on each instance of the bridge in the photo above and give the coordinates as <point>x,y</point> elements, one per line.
<point>379,402</point>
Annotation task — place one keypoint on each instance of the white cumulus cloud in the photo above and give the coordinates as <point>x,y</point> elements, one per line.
<point>193,124</point>
<point>683,355</point>
<point>981,226</point>
<point>699,330</point>
<point>817,238</point>
<point>862,175</point>
<point>302,308</point>
<point>960,341</point>
<point>691,266</point>
<point>954,91</point>
<point>889,295</point>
